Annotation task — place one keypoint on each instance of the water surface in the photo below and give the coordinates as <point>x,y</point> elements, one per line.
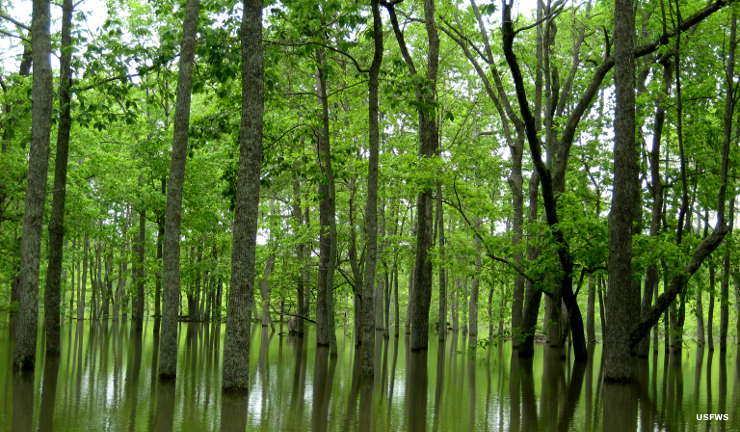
<point>105,380</point>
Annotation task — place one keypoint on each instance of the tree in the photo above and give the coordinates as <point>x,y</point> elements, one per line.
<point>172,218</point>
<point>25,325</point>
<point>622,301</point>
<point>426,95</point>
<point>241,296</point>
<point>367,313</point>
<point>56,222</point>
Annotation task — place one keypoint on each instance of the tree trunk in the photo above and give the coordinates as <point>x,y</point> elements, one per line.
<point>534,293</point>
<point>173,210</point>
<point>699,315</point>
<point>442,270</point>
<point>138,270</point>
<point>473,308</point>
<point>81,297</point>
<point>367,304</point>
<point>246,213</point>
<point>724,290</point>
<point>710,312</point>
<point>426,96</point>
<point>56,221</point>
<point>265,290</point>
<point>25,324</point>
<point>622,300</point>
<point>590,318</point>
<point>160,243</point>
<point>325,335</point>
<point>656,190</point>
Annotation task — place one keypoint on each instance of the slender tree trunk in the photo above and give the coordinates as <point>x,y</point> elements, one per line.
<point>301,282</point>
<point>442,270</point>
<point>173,211</point>
<point>473,308</point>
<point>656,190</point>
<point>26,321</point>
<point>534,294</point>
<point>83,283</point>
<point>327,220</point>
<point>426,96</point>
<point>710,312</point>
<point>367,336</point>
<point>699,315</point>
<point>602,312</point>
<point>724,290</point>
<point>265,290</point>
<point>56,221</point>
<point>397,307</point>
<point>590,318</point>
<point>139,276</point>
<point>241,294</point>
<point>160,243</point>
<point>730,102</point>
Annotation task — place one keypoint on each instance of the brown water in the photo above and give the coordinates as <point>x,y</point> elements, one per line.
<point>105,380</point>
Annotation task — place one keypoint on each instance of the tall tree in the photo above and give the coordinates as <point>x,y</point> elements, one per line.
<point>367,333</point>
<point>420,293</point>
<point>729,113</point>
<point>56,222</point>
<point>325,333</point>
<point>622,300</point>
<point>173,211</point>
<point>26,321</point>
<point>241,296</point>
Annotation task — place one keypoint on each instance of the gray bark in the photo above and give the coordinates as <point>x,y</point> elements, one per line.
<point>622,300</point>
<point>241,295</point>
<point>173,211</point>
<point>26,321</point>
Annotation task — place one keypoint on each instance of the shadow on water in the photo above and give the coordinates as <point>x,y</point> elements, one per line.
<point>106,379</point>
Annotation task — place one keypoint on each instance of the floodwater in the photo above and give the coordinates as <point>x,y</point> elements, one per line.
<point>106,380</point>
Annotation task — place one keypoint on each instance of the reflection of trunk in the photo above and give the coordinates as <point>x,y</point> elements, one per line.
<point>246,213</point>
<point>56,220</point>
<point>26,320</point>
<point>173,210</point>
<point>327,221</point>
